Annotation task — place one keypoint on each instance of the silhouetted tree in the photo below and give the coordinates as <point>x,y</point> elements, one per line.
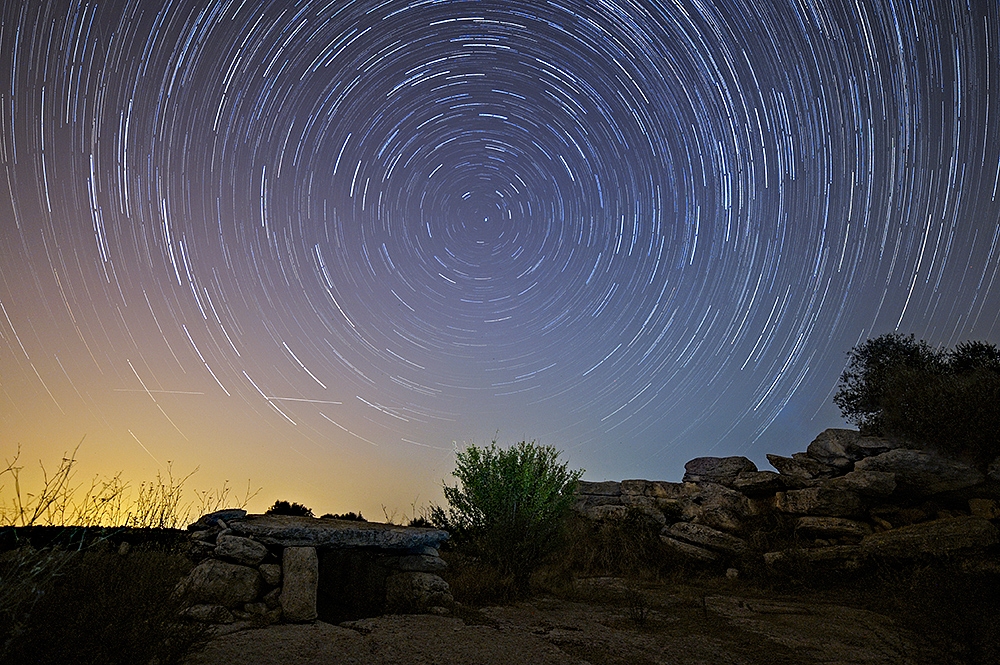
<point>353,517</point>
<point>285,508</point>
<point>934,398</point>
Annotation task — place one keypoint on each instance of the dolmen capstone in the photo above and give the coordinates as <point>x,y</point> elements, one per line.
<point>847,500</point>
<point>277,568</point>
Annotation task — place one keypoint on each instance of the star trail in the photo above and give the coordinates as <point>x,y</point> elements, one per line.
<point>320,244</point>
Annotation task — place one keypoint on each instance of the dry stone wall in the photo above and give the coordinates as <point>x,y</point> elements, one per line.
<point>266,568</point>
<point>847,499</point>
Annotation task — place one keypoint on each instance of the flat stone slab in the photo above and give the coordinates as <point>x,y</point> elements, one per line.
<point>289,531</point>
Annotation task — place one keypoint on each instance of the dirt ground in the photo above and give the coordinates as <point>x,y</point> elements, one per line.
<point>607,623</point>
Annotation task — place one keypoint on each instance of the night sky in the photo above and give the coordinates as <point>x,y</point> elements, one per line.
<point>320,245</point>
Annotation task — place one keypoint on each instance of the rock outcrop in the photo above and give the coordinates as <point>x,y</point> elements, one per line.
<point>848,499</point>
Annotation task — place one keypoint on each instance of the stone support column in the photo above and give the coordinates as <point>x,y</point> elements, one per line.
<point>300,578</point>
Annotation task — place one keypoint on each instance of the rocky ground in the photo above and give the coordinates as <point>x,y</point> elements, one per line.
<point>605,622</point>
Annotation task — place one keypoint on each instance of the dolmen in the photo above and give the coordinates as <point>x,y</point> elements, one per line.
<point>266,569</point>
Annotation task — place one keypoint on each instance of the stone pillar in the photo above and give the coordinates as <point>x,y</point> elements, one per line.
<point>300,577</point>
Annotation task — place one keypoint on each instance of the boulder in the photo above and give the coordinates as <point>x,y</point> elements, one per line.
<point>420,563</point>
<point>796,473</point>
<point>722,470</point>
<point>831,527</point>
<point>935,538</point>
<point>416,592</point>
<point>300,576</point>
<point>689,551</point>
<point>603,488</point>
<point>270,573</point>
<point>922,473</point>
<point>273,598</point>
<point>647,505</point>
<point>241,550</point>
<point>819,501</point>
<point>661,489</point>
<point>717,506</point>
<point>208,613</point>
<point>865,482</point>
<point>706,537</point>
<point>213,519</point>
<point>635,487</point>
<point>831,448</point>
<point>985,508</point>
<point>214,582</point>
<point>816,468</point>
<point>870,446</point>
<point>758,483</point>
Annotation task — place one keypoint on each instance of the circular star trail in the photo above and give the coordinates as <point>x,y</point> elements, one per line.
<point>638,231</point>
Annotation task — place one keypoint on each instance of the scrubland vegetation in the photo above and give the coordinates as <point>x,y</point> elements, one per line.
<point>89,594</point>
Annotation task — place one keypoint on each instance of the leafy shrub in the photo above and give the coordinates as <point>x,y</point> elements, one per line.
<point>293,509</point>
<point>509,508</point>
<point>935,398</point>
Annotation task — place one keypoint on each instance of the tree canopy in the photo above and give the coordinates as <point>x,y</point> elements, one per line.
<point>947,400</point>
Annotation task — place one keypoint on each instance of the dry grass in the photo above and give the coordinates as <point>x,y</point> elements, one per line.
<point>92,603</point>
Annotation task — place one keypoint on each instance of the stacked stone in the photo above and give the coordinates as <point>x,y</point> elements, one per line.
<point>265,568</point>
<point>237,578</point>
<point>846,499</point>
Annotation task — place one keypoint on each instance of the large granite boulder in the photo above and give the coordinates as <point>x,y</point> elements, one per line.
<point>832,447</point>
<point>831,527</point>
<point>706,537</point>
<point>240,550</point>
<point>797,473</point>
<point>270,573</point>
<point>840,448</point>
<point>217,518</point>
<point>207,613</point>
<point>722,470</point>
<point>416,592</point>
<point>821,501</point>
<point>923,473</point>
<point>758,483</point>
<point>214,582</point>
<point>865,482</point>
<point>300,576</point>
<point>717,506</point>
<point>942,537</point>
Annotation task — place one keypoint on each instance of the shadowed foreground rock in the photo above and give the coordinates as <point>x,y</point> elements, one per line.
<point>679,629</point>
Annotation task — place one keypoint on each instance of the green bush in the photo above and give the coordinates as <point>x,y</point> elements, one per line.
<point>934,398</point>
<point>509,507</point>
